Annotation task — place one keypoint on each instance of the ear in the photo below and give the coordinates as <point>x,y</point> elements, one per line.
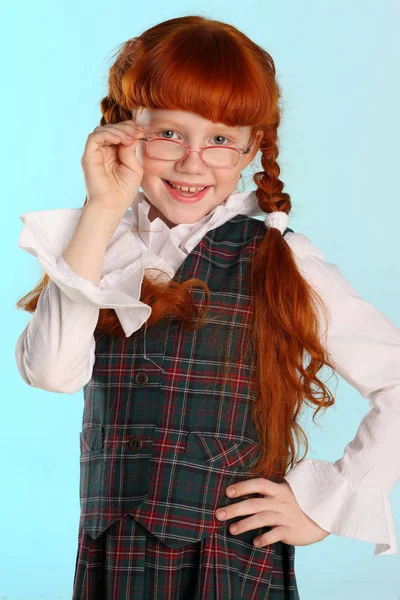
<point>257,138</point>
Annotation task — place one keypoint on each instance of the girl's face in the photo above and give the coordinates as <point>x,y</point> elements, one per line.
<point>194,130</point>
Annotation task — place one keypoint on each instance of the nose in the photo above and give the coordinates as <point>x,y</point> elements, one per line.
<point>192,163</point>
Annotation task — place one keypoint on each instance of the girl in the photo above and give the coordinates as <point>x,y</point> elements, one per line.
<point>197,332</point>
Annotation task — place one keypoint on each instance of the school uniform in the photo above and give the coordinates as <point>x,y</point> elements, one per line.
<point>161,439</point>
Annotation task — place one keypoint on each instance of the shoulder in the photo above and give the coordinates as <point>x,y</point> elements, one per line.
<point>302,246</point>
<point>323,275</point>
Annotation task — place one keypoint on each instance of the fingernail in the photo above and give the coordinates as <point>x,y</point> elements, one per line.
<point>221,514</point>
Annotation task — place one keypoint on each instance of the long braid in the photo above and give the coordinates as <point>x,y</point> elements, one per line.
<point>277,287</point>
<point>269,187</point>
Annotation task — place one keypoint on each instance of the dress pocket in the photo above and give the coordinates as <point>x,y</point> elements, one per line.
<point>219,450</point>
<point>114,466</point>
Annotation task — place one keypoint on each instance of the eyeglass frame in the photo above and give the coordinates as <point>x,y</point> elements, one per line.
<point>201,149</point>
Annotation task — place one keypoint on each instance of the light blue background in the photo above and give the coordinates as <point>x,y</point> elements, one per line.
<point>337,63</point>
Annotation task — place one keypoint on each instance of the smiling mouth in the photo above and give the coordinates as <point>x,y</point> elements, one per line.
<point>174,187</point>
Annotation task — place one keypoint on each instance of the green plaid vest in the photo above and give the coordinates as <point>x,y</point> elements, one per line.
<point>161,437</point>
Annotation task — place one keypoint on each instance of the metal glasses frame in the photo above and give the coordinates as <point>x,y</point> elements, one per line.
<point>193,149</point>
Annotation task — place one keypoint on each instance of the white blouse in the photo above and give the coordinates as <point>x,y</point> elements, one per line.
<point>56,350</point>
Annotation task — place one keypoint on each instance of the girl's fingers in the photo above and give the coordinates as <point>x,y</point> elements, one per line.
<point>112,134</point>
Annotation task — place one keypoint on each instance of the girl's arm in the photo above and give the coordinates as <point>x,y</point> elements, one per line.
<point>350,496</point>
<point>56,350</point>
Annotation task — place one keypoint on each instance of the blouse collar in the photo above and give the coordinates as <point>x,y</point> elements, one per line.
<point>244,203</point>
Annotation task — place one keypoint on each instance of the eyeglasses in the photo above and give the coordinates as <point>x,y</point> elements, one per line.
<point>222,157</point>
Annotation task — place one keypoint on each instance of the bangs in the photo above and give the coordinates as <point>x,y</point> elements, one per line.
<point>203,71</point>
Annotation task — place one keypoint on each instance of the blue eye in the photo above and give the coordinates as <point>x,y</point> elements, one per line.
<point>164,130</point>
<point>220,136</point>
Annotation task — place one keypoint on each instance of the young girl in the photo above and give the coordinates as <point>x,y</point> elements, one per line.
<point>197,332</point>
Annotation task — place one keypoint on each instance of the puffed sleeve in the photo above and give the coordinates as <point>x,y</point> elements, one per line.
<point>350,496</point>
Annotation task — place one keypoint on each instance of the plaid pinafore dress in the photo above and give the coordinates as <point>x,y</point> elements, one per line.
<point>161,440</point>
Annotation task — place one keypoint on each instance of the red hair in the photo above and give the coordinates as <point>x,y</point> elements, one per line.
<point>208,67</point>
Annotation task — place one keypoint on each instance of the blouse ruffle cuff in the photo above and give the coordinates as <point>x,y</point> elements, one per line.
<point>337,506</point>
<point>44,238</point>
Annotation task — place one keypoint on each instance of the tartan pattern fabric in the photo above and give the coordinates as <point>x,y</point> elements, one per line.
<point>128,563</point>
<point>162,439</point>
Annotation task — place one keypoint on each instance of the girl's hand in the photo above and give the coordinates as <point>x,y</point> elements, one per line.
<point>279,507</point>
<point>111,171</point>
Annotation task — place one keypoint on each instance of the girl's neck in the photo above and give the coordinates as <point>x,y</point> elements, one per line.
<point>155,212</point>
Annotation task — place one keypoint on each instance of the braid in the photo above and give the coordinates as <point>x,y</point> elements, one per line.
<point>269,187</point>
<point>112,112</point>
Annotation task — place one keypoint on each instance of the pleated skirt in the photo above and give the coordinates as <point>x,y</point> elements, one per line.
<point>127,562</point>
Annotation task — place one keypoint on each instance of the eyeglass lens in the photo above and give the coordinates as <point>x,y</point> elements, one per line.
<point>170,150</point>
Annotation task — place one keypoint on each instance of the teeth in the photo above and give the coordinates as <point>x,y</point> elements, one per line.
<point>187,189</point>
